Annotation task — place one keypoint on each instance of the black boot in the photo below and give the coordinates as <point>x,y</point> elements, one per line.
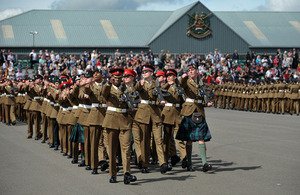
<point>163,168</point>
<point>74,161</point>
<point>95,171</point>
<point>174,160</point>
<point>184,163</point>
<point>206,167</point>
<point>103,165</point>
<point>145,170</point>
<point>88,167</point>
<point>113,179</point>
<point>82,163</point>
<point>129,178</point>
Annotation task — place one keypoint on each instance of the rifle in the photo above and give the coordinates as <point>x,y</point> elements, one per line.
<point>180,91</point>
<point>202,91</point>
<point>158,91</point>
<point>126,97</point>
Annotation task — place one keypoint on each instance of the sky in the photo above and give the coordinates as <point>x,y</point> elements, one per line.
<point>14,7</point>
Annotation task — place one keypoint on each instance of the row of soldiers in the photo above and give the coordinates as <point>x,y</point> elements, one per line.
<point>276,96</point>
<point>99,116</point>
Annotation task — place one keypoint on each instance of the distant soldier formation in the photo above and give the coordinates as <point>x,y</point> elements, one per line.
<point>105,123</point>
<point>268,96</point>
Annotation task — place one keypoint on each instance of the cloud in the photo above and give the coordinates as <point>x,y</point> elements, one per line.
<point>109,4</point>
<point>9,13</point>
<point>279,5</point>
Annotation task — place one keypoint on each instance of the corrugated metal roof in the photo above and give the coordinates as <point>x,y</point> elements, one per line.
<point>83,28</point>
<point>177,14</point>
<point>275,26</point>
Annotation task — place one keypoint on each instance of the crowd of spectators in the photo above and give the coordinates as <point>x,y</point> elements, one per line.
<point>215,66</point>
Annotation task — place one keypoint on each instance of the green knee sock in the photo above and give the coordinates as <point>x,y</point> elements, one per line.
<point>189,154</point>
<point>203,153</point>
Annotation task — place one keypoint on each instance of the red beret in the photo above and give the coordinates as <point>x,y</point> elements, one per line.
<point>130,72</point>
<point>160,73</point>
<point>117,72</point>
<point>63,85</point>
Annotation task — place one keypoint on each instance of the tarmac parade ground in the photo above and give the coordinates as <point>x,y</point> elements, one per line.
<point>251,153</point>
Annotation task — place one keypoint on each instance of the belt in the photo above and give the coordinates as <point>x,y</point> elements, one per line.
<point>95,105</point>
<point>23,94</point>
<point>87,106</point>
<point>70,108</point>
<point>118,110</point>
<point>172,105</point>
<point>193,100</point>
<point>36,98</point>
<point>64,109</point>
<point>45,99</point>
<point>51,103</point>
<point>256,92</point>
<point>19,94</point>
<point>281,90</point>
<point>80,105</point>
<point>75,107</point>
<point>56,104</point>
<point>244,92</point>
<point>147,102</point>
<point>9,95</point>
<point>4,93</point>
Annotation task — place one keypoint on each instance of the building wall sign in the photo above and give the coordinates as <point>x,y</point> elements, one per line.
<point>199,25</point>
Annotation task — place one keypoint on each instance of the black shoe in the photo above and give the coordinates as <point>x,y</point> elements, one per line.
<point>190,168</point>
<point>169,167</point>
<point>36,138</point>
<point>43,141</point>
<point>8,124</point>
<point>40,136</point>
<point>70,156</point>
<point>206,167</point>
<point>88,168</point>
<point>104,165</point>
<point>55,147</point>
<point>184,163</point>
<point>113,179</point>
<point>74,161</point>
<point>145,170</point>
<point>129,178</point>
<point>29,137</point>
<point>13,123</point>
<point>94,171</point>
<point>174,160</point>
<point>163,168</point>
<point>140,165</point>
<point>61,151</point>
<point>82,163</point>
<point>65,154</point>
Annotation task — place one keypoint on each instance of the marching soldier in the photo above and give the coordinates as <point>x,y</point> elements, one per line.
<point>149,117</point>
<point>193,126</point>
<point>10,103</point>
<point>35,106</point>
<point>118,126</point>
<point>95,120</point>
<point>172,118</point>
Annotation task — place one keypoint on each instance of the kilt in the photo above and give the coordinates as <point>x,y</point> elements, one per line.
<point>190,131</point>
<point>77,134</point>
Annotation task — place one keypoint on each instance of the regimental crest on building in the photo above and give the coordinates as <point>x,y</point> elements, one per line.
<point>199,25</point>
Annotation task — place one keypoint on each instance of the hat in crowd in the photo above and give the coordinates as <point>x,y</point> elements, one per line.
<point>192,65</point>
<point>160,73</point>
<point>64,85</point>
<point>148,67</point>
<point>171,72</point>
<point>88,74</point>
<point>117,72</point>
<point>26,78</point>
<point>130,72</point>
<point>76,78</point>
<point>38,76</point>
<point>50,78</point>
<point>55,80</point>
